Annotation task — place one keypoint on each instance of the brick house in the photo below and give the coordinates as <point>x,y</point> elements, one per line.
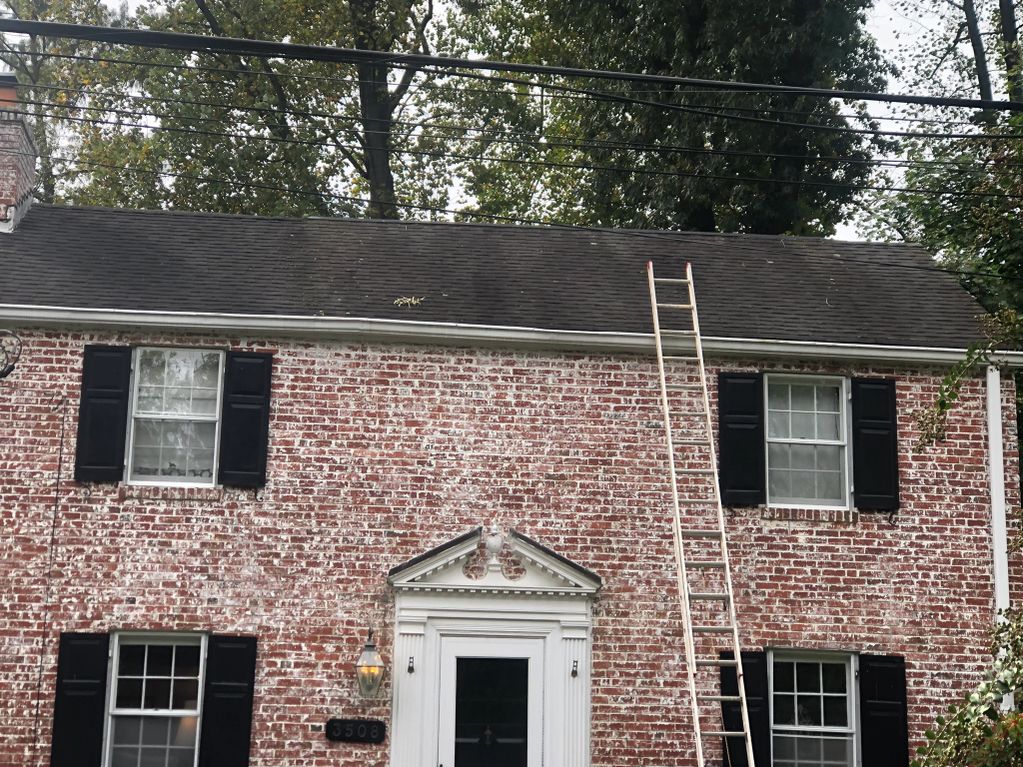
<point>232,445</point>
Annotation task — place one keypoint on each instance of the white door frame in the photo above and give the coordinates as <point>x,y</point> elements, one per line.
<point>454,647</point>
<point>438,605</point>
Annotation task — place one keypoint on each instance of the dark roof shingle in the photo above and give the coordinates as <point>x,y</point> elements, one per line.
<point>748,286</point>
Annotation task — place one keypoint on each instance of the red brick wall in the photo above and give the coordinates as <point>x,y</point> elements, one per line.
<point>381,452</point>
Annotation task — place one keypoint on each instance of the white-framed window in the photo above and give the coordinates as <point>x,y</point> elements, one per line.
<point>155,700</point>
<point>813,709</point>
<point>174,428</point>
<point>807,441</point>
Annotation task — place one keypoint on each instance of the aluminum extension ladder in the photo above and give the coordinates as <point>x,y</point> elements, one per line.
<point>701,551</point>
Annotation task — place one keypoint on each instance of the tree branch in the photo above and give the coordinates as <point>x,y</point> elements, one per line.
<point>423,46</point>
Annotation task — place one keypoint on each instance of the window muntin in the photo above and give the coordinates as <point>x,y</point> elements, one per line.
<point>155,701</point>
<point>175,416</point>
<point>806,441</point>
<point>812,714</point>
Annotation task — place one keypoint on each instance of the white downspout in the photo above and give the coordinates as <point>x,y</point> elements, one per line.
<point>996,474</point>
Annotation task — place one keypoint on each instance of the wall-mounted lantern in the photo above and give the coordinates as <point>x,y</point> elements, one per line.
<point>369,668</point>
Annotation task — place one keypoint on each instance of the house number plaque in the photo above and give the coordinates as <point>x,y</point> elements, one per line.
<point>355,730</point>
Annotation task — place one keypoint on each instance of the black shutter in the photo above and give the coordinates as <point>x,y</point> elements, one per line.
<point>885,736</point>
<point>245,419</point>
<point>80,706</point>
<point>875,445</point>
<point>754,669</point>
<point>227,701</point>
<point>741,437</point>
<point>103,414</point>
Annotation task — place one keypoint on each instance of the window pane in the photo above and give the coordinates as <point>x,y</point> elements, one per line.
<point>152,367</point>
<point>804,426</point>
<point>157,693</point>
<point>828,398</point>
<point>808,710</point>
<point>153,757</point>
<point>834,677</point>
<point>827,426</point>
<point>126,730</point>
<point>829,486</point>
<point>784,709</point>
<point>784,747</point>
<point>804,456</point>
<point>778,425</point>
<point>784,676</point>
<point>132,659</point>
<point>186,660</point>
<point>780,484</point>
<point>804,485</point>
<point>778,396</point>
<point>835,711</point>
<point>829,457</point>
<point>808,750</point>
<point>181,757</point>
<point>808,677</point>
<point>124,757</point>
<point>178,381</point>
<point>186,694</point>
<point>154,731</point>
<point>183,731</point>
<point>778,456</point>
<point>159,661</point>
<point>836,751</point>
<point>129,693</point>
<point>803,397</point>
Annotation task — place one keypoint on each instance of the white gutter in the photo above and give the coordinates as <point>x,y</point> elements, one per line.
<point>450,333</point>
<point>996,472</point>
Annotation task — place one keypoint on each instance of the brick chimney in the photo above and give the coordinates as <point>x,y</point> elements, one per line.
<point>17,157</point>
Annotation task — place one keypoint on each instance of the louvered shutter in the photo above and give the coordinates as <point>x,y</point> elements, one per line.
<point>741,438</point>
<point>103,414</point>
<point>754,668</point>
<point>245,419</point>
<point>885,731</point>
<point>875,445</point>
<point>227,701</point>
<point>80,706</point>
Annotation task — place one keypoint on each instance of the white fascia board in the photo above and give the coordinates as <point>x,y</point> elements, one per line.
<point>464,334</point>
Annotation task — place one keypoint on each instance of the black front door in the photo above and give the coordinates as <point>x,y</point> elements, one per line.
<point>490,712</point>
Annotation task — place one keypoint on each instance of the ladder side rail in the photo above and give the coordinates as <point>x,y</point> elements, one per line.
<point>733,618</point>
<point>680,565</point>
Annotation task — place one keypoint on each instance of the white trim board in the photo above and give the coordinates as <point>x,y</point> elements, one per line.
<point>463,334</point>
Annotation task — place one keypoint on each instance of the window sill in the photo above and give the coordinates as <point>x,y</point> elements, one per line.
<point>165,493</point>
<point>810,514</point>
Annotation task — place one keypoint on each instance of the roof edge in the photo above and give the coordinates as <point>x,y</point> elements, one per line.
<point>462,334</point>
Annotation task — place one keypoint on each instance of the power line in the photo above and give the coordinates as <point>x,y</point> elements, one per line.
<point>269,49</point>
<point>752,180</point>
<point>536,143</point>
<point>522,94</point>
<point>598,95</point>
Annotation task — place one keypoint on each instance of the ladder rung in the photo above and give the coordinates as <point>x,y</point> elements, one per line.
<point>726,733</point>
<point>677,332</point>
<point>683,386</point>
<point>678,357</point>
<point>708,595</point>
<point>712,629</point>
<point>701,533</point>
<point>696,471</point>
<point>705,563</point>
<point>677,306</point>
<point>671,280</point>
<point>721,698</point>
<point>722,662</point>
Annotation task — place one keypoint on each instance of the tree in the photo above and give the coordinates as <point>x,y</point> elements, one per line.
<point>616,162</point>
<point>151,127</point>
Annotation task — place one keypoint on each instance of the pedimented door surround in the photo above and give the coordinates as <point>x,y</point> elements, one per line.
<point>441,604</point>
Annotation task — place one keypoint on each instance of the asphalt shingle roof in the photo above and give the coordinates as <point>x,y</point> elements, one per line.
<point>748,286</point>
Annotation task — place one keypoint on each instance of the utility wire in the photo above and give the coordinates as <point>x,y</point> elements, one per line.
<point>269,49</point>
<point>536,142</point>
<point>753,180</point>
<point>538,94</point>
